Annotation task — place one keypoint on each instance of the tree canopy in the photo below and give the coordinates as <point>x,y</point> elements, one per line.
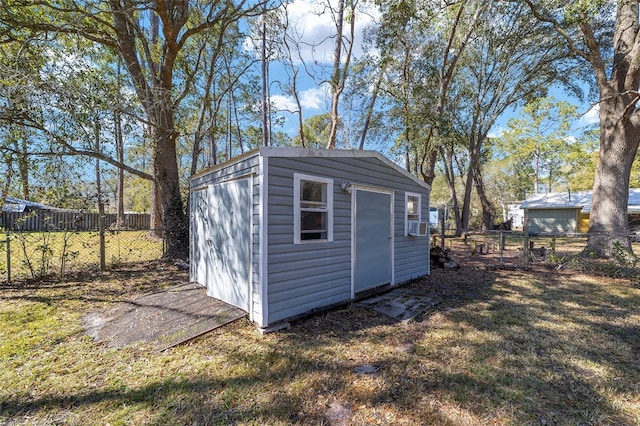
<point>157,91</point>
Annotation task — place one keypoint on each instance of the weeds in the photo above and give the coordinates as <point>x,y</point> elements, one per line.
<point>40,254</point>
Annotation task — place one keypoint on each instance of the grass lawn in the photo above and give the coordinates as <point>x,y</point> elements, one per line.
<point>537,347</point>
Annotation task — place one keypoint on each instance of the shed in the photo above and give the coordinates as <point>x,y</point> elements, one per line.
<point>568,212</point>
<point>280,232</point>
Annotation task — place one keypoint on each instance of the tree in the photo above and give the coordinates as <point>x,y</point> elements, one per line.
<point>340,69</point>
<point>421,44</point>
<point>151,37</point>
<point>509,60</point>
<point>316,131</point>
<point>600,32</point>
<point>539,142</point>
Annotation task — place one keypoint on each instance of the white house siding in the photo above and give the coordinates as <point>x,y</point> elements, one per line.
<point>302,277</point>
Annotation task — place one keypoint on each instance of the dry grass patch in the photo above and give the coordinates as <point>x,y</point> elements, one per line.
<point>504,347</point>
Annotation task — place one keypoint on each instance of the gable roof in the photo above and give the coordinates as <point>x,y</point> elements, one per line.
<point>294,152</point>
<point>576,200</point>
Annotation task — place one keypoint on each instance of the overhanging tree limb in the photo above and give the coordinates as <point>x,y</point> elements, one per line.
<point>70,150</point>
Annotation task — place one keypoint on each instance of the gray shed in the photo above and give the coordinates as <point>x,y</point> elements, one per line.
<point>280,232</point>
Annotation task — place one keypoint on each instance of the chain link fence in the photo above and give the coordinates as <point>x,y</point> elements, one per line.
<point>513,249</point>
<point>35,254</point>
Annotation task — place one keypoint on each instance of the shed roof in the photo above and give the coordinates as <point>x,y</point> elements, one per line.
<point>574,200</point>
<point>17,205</point>
<point>289,152</point>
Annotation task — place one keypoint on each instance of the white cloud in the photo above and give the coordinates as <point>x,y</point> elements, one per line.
<point>283,103</point>
<point>312,28</point>
<point>591,117</point>
<point>497,132</point>
<point>314,98</point>
<point>313,25</point>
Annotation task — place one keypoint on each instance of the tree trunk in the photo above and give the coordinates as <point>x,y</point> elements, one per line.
<point>466,201</point>
<point>264,73</point>
<point>23,166</point>
<point>619,137</point>
<point>488,211</point>
<point>372,104</point>
<point>619,122</point>
<point>336,88</point>
<point>155,94</point>
<point>99,200</point>
<point>450,178</point>
<point>609,221</point>
<point>474,161</point>
<point>165,171</point>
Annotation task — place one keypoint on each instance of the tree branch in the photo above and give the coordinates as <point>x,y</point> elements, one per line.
<point>70,150</point>
<point>556,26</point>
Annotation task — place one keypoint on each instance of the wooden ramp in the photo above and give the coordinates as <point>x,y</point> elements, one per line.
<point>163,319</point>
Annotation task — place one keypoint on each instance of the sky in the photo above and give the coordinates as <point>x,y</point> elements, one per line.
<point>314,27</point>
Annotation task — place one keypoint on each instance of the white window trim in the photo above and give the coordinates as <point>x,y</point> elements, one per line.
<point>297,177</point>
<point>406,213</point>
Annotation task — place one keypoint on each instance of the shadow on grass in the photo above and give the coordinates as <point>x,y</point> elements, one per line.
<point>542,347</point>
<point>519,347</point>
<point>512,347</point>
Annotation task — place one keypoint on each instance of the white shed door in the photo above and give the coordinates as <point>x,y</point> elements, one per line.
<point>200,212</point>
<point>373,239</point>
<point>228,242</point>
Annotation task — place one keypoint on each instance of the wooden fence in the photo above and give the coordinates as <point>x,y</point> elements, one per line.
<point>47,220</point>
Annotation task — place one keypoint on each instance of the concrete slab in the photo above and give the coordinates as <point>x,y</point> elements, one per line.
<point>392,308</point>
<point>402,304</point>
<point>163,319</point>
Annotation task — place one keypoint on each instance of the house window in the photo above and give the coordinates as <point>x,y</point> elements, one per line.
<point>413,212</point>
<point>313,209</point>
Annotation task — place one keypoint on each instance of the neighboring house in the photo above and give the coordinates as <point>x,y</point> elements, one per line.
<point>280,232</point>
<point>516,215</point>
<point>568,212</point>
<point>23,214</point>
<point>28,216</point>
<point>16,205</point>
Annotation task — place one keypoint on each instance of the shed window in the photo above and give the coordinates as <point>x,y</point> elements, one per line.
<point>413,211</point>
<point>313,209</point>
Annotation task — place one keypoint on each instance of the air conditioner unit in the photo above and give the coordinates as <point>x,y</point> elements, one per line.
<point>418,229</point>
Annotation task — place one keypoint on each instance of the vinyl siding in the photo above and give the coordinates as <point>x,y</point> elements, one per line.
<point>245,166</point>
<point>302,277</point>
<point>552,221</point>
<point>411,253</point>
<point>307,276</point>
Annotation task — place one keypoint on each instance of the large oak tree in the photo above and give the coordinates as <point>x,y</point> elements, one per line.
<point>605,34</point>
<point>151,37</point>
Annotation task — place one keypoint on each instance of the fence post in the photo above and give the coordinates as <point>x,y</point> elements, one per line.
<point>501,248</point>
<point>442,228</point>
<point>525,229</point>
<point>7,235</point>
<point>103,264</point>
